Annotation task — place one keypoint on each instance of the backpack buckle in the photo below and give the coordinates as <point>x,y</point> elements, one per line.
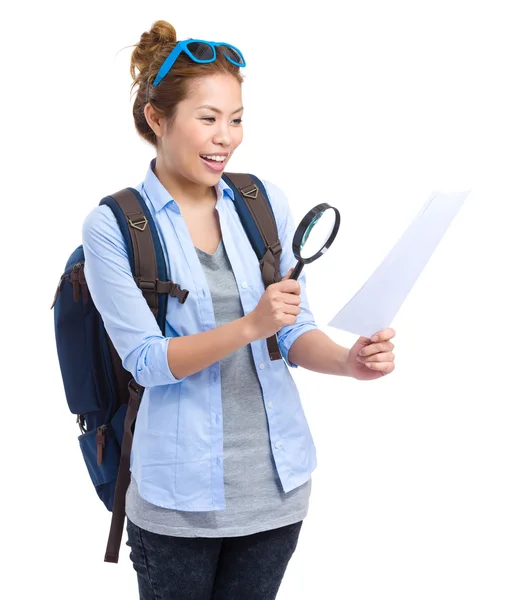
<point>177,292</point>
<point>146,284</point>
<point>276,248</point>
<point>250,191</point>
<point>140,225</point>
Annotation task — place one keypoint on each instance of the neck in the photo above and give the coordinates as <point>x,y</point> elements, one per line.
<point>182,190</point>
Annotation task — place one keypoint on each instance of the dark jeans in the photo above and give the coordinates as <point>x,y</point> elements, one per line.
<point>235,568</point>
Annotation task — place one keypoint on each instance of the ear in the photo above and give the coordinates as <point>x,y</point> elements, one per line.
<point>154,119</point>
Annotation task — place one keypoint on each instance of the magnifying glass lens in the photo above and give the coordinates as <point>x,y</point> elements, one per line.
<point>317,233</point>
<point>314,235</point>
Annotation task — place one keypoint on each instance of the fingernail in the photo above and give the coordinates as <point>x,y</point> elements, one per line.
<point>374,338</point>
<point>368,365</point>
<point>358,359</point>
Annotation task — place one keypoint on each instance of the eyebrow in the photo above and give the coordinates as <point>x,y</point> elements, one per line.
<point>216,110</point>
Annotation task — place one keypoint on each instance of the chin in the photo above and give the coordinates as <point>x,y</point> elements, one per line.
<point>209,179</point>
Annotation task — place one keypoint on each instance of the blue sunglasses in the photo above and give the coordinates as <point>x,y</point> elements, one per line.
<point>200,51</point>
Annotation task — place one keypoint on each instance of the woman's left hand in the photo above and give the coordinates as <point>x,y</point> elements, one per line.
<point>372,358</point>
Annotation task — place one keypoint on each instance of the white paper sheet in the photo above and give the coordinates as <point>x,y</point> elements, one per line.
<point>376,303</point>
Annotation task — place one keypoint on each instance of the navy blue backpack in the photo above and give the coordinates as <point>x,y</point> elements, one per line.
<point>99,391</point>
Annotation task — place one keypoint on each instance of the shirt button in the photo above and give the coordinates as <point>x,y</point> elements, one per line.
<point>278,444</point>
<point>269,405</point>
<point>261,366</point>
<point>244,284</point>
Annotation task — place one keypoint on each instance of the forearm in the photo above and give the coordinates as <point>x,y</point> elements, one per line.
<point>192,353</point>
<point>315,351</point>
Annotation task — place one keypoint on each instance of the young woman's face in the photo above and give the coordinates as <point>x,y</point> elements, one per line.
<point>206,131</point>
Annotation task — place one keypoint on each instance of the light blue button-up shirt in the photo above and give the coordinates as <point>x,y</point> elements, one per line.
<point>177,455</point>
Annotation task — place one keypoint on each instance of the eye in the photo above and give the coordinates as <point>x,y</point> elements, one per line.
<point>237,121</point>
<point>209,119</point>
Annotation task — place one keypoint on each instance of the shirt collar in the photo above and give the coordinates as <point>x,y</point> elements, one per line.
<point>160,197</point>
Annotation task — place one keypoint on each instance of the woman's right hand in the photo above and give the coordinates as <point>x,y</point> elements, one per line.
<point>278,306</point>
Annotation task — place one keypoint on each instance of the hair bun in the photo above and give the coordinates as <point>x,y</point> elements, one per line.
<point>152,42</point>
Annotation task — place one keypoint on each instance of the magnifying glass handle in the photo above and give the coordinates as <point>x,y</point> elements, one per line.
<point>297,270</point>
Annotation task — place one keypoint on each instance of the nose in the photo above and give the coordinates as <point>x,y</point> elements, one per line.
<point>222,136</point>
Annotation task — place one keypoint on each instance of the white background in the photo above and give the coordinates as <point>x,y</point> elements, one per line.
<point>423,485</point>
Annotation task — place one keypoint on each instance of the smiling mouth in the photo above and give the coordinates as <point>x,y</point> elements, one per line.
<point>217,158</point>
<point>214,162</point>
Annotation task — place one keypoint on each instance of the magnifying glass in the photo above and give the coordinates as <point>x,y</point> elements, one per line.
<point>314,235</point>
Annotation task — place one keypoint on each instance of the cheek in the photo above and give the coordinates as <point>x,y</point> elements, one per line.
<point>184,145</point>
<point>172,145</point>
<point>197,139</point>
<point>237,137</point>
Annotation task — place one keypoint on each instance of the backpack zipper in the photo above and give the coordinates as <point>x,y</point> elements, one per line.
<point>78,281</point>
<point>74,280</point>
<point>59,288</point>
<point>81,422</point>
<point>100,442</point>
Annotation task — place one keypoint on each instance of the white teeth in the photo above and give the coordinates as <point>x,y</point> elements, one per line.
<point>214,157</point>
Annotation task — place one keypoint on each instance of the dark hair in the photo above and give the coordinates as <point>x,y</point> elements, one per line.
<point>148,55</point>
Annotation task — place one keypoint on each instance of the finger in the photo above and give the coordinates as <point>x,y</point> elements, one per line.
<point>383,336</point>
<point>384,368</point>
<point>382,357</point>
<point>375,348</point>
<point>291,309</point>
<point>290,286</point>
<point>290,298</point>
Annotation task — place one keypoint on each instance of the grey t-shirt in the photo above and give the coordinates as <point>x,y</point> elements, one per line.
<point>255,500</point>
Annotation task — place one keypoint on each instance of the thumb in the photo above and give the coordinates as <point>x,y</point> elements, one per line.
<point>361,342</point>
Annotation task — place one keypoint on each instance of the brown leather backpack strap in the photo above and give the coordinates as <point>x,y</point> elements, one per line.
<point>121,376</point>
<point>124,475</point>
<point>145,259</point>
<point>264,218</point>
<point>144,255</point>
<point>146,277</point>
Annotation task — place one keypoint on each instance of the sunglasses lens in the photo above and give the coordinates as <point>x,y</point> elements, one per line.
<point>201,51</point>
<point>233,55</point>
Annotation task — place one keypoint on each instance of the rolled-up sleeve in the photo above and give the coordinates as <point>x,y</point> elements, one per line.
<point>127,318</point>
<point>286,229</point>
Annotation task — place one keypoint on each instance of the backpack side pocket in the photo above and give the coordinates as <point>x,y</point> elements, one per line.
<point>101,452</point>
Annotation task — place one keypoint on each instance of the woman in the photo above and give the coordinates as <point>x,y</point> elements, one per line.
<point>222,455</point>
